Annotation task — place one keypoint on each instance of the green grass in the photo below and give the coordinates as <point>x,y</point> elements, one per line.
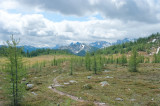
<point>143,86</point>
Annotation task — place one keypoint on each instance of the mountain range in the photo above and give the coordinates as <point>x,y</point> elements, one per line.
<point>81,48</point>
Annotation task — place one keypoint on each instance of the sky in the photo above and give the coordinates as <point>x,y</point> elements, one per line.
<point>47,23</point>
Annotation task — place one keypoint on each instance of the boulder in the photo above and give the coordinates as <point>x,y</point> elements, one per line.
<point>102,104</point>
<point>57,85</point>
<point>108,77</point>
<point>30,86</point>
<point>73,81</point>
<point>104,83</point>
<point>49,87</point>
<point>89,77</point>
<point>119,99</point>
<point>132,100</point>
<point>33,93</point>
<point>66,83</point>
<point>106,71</point>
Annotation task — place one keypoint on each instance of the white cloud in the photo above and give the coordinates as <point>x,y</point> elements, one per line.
<point>8,4</point>
<point>126,10</point>
<point>36,30</point>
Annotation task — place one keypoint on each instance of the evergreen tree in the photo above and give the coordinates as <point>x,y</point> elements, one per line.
<point>95,65</point>
<point>133,61</point>
<point>71,63</point>
<point>15,70</point>
<point>123,59</point>
<point>28,54</point>
<point>88,61</point>
<point>155,56</point>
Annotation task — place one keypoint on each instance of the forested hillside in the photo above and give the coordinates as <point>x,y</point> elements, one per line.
<point>36,52</point>
<point>148,45</point>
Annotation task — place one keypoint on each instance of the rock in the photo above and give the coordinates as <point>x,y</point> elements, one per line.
<point>66,83</point>
<point>132,100</point>
<point>54,71</point>
<point>106,71</point>
<point>108,77</point>
<point>35,77</point>
<point>89,77</point>
<point>49,87</point>
<point>33,93</point>
<point>57,85</point>
<point>30,85</point>
<point>104,83</point>
<point>119,99</point>
<point>152,99</point>
<point>73,81</point>
<point>102,103</point>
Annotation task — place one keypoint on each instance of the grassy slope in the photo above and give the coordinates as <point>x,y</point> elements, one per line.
<point>143,86</point>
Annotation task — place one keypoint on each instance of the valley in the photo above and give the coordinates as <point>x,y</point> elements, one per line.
<point>113,85</point>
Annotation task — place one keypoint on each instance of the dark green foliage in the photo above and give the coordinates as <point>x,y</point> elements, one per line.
<point>71,66</point>
<point>156,58</point>
<point>95,65</point>
<point>133,61</point>
<point>141,59</point>
<point>38,52</point>
<point>88,61</point>
<point>142,44</point>
<point>122,60</point>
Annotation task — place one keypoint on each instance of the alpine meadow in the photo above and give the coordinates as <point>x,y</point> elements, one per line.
<point>79,53</point>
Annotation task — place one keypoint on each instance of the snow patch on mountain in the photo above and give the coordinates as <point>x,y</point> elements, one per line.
<point>78,47</point>
<point>100,44</point>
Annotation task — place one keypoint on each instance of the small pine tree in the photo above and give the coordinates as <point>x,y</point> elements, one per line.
<point>123,59</point>
<point>155,56</point>
<point>95,65</point>
<point>133,61</point>
<point>71,63</point>
<point>88,61</point>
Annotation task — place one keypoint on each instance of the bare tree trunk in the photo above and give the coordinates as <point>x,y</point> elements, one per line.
<point>16,77</point>
<point>13,89</point>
